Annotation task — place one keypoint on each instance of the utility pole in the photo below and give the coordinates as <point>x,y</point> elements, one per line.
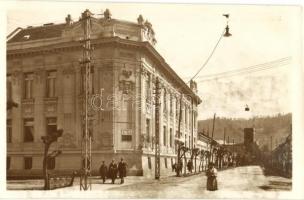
<point>224,135</point>
<point>213,124</point>
<point>271,150</point>
<point>157,146</point>
<point>179,160</point>
<point>86,158</point>
<point>212,137</point>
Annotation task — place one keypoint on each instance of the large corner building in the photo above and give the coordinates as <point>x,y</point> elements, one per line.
<point>45,79</point>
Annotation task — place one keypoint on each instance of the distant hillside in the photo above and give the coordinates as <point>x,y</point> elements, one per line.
<point>277,126</point>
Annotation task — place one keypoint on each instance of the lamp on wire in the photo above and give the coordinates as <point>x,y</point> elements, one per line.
<point>227,34</point>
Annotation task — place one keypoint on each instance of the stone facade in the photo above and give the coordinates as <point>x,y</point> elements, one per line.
<point>45,79</point>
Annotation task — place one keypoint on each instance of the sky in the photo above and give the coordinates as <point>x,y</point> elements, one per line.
<point>186,35</point>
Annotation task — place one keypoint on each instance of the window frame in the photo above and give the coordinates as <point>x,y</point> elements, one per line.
<point>24,130</point>
<point>26,160</point>
<point>28,85</point>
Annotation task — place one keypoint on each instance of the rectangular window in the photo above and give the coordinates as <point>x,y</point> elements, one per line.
<point>186,117</point>
<point>171,137</point>
<point>28,163</point>
<point>148,129</point>
<point>176,109</point>
<point>126,138</point>
<point>28,85</point>
<point>9,131</point>
<point>171,104</point>
<point>148,89</point>
<point>165,101</point>
<point>28,130</point>
<point>9,87</point>
<point>165,136</point>
<point>51,124</point>
<point>166,164</point>
<point>189,141</point>
<point>149,162</point>
<point>51,163</point>
<point>8,163</point>
<point>51,84</point>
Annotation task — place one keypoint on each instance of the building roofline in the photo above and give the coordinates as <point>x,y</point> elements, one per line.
<point>13,33</point>
<point>146,45</point>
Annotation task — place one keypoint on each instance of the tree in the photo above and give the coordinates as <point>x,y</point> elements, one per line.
<point>48,140</point>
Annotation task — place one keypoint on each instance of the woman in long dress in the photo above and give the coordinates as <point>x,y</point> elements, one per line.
<point>211,177</point>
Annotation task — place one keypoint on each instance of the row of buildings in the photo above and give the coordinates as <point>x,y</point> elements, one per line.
<point>45,79</point>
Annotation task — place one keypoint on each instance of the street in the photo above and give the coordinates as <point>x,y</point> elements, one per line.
<point>247,181</point>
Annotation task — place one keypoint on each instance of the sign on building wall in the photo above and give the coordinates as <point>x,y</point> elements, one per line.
<point>126,135</point>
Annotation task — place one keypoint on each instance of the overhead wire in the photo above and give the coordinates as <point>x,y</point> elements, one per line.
<point>257,66</point>
<point>245,72</point>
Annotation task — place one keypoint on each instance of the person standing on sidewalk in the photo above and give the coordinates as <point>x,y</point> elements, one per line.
<point>103,172</point>
<point>122,169</point>
<point>211,178</point>
<point>113,171</point>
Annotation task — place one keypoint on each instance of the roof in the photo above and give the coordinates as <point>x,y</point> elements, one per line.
<point>51,30</point>
<point>40,32</point>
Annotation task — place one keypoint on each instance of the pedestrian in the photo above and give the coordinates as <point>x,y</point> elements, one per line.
<point>103,171</point>
<point>189,166</point>
<point>113,171</point>
<point>211,177</point>
<point>122,169</point>
<point>174,167</point>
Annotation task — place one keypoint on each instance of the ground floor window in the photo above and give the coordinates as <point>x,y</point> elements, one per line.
<point>51,163</point>
<point>166,164</point>
<point>28,163</point>
<point>8,163</point>
<point>149,162</point>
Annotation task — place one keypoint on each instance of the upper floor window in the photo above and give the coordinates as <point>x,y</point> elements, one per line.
<point>51,84</point>
<point>171,137</point>
<point>28,85</point>
<point>9,87</point>
<point>165,100</point>
<point>148,88</point>
<point>28,130</point>
<point>51,125</point>
<point>171,104</point>
<point>176,108</point>
<point>148,129</point>
<point>9,131</point>
<point>165,136</point>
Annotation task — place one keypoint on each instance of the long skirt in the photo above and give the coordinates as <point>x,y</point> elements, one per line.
<point>211,183</point>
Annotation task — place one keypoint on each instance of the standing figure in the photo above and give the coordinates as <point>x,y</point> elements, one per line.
<point>103,172</point>
<point>113,171</point>
<point>211,177</point>
<point>122,169</point>
<point>190,166</point>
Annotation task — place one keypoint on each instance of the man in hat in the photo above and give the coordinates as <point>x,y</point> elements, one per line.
<point>103,172</point>
<point>122,169</point>
<point>113,171</point>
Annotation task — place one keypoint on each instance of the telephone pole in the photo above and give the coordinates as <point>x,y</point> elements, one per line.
<point>157,146</point>
<point>86,143</point>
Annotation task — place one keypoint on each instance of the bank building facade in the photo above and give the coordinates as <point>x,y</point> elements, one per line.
<point>45,79</point>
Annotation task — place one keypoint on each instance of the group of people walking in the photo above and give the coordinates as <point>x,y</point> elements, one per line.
<point>113,170</point>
